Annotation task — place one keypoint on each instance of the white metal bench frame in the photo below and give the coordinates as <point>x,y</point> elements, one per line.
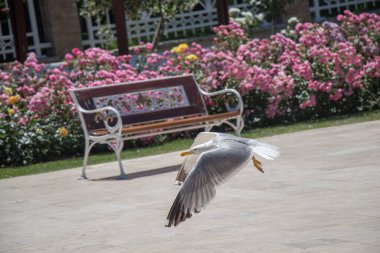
<point>115,137</point>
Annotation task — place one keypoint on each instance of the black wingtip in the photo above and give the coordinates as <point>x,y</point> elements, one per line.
<point>175,218</point>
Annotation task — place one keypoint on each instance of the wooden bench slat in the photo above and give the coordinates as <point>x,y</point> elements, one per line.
<point>172,123</point>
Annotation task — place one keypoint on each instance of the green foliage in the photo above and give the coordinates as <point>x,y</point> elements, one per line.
<point>248,20</point>
<point>35,142</point>
<point>272,9</point>
<point>165,9</point>
<point>95,7</point>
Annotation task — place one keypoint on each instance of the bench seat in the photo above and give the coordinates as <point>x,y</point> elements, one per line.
<point>170,124</point>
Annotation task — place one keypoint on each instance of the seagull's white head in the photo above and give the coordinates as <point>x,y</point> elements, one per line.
<point>198,149</point>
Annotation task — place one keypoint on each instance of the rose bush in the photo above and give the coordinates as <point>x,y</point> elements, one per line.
<point>311,70</point>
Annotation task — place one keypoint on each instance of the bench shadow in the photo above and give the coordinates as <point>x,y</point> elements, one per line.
<point>145,173</point>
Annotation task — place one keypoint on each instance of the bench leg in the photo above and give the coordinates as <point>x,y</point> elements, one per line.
<point>118,148</point>
<point>239,126</point>
<point>208,128</point>
<point>86,154</point>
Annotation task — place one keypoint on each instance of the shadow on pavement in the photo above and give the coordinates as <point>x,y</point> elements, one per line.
<point>145,173</point>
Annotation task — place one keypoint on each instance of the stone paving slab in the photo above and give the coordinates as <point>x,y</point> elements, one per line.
<point>321,195</point>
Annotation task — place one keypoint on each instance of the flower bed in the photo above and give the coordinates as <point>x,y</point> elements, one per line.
<point>310,71</point>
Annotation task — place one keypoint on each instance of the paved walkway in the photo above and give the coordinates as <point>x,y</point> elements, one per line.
<point>321,195</point>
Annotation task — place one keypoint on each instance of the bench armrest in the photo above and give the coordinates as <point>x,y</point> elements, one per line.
<point>117,128</point>
<point>239,106</point>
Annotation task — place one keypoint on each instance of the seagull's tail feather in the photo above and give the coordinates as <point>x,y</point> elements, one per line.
<point>264,150</point>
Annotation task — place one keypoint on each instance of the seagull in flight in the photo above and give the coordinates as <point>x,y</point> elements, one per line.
<point>211,160</point>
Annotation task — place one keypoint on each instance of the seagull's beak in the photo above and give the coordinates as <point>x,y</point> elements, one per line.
<point>185,153</point>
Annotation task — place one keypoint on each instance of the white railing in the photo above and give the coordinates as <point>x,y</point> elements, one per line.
<point>331,5</point>
<point>204,18</point>
<point>7,49</point>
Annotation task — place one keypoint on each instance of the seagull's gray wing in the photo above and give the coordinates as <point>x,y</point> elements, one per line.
<point>211,169</point>
<point>190,160</point>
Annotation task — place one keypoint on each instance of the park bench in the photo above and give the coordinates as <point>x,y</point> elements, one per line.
<point>111,114</point>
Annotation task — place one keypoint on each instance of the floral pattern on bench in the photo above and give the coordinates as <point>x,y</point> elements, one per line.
<point>145,101</point>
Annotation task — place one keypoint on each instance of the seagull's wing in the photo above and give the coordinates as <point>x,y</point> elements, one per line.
<point>190,160</point>
<point>264,150</point>
<point>211,169</point>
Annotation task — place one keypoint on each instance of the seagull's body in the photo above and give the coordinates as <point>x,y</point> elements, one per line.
<point>211,160</point>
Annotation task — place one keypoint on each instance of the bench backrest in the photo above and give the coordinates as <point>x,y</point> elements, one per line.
<point>143,101</point>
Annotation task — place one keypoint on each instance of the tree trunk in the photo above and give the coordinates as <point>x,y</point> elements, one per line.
<point>158,32</point>
<point>274,21</point>
<point>18,17</point>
